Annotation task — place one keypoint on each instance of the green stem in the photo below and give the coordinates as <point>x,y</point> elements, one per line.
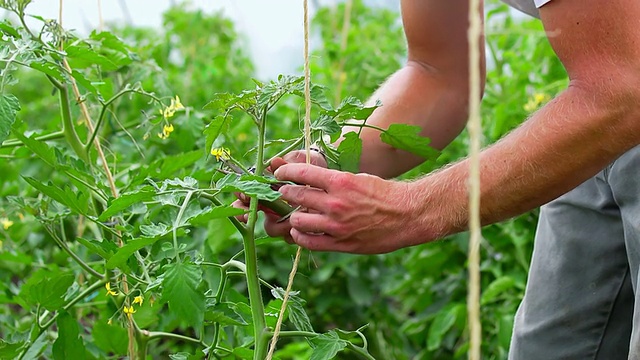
<point>185,203</point>
<point>106,104</point>
<point>285,151</point>
<point>75,257</point>
<point>46,137</point>
<point>160,334</point>
<point>242,229</point>
<point>67,123</point>
<point>362,126</point>
<point>218,298</point>
<point>251,257</point>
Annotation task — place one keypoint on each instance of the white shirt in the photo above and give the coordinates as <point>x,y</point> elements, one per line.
<point>527,6</point>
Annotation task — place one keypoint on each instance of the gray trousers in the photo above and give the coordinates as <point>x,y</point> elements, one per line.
<point>580,296</point>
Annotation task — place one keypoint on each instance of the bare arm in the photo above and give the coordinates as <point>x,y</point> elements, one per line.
<point>430,91</point>
<point>586,127</point>
<point>595,120</point>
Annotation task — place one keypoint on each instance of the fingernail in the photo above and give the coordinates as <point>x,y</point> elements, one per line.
<point>276,173</point>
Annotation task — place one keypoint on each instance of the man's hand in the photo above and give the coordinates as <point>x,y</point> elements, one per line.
<point>272,226</point>
<point>355,213</point>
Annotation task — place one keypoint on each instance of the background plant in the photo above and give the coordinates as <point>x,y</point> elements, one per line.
<point>413,300</point>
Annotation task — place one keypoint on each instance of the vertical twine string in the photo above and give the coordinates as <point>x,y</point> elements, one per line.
<point>307,146</point>
<point>474,127</point>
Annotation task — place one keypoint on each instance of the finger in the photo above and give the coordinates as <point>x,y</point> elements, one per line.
<point>319,242</point>
<point>240,205</point>
<point>305,196</point>
<point>315,176</point>
<point>242,197</point>
<point>315,224</point>
<point>300,156</point>
<point>274,228</point>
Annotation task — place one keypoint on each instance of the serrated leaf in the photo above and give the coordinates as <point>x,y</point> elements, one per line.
<point>124,201</point>
<point>6,28</point>
<point>48,68</point>
<point>120,258</point>
<point>69,344</point>
<point>295,309</point>
<point>497,287</point>
<point>153,230</point>
<point>10,350</point>
<point>407,137</point>
<point>262,189</point>
<point>326,124</point>
<point>9,107</point>
<point>40,148</point>
<point>83,81</point>
<point>218,125</point>
<point>110,41</point>
<point>180,290</point>
<point>47,288</point>
<point>77,201</point>
<point>327,346</point>
<point>105,249</point>
<point>110,338</point>
<point>224,315</point>
<point>350,150</point>
<point>81,57</point>
<point>441,324</point>
<point>353,109</point>
<point>223,211</point>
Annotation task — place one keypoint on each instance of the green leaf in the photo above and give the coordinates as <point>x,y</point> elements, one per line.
<point>234,183</point>
<point>497,287</point>
<point>219,124</point>
<point>73,199</point>
<point>48,68</point>
<point>327,346</point>
<point>81,57</point>
<point>180,290</point>
<point>10,350</point>
<point>326,124</point>
<point>47,288</point>
<point>40,148</point>
<point>69,344</point>
<point>350,150</point>
<point>6,28</point>
<point>224,315</point>
<point>110,338</point>
<point>120,258</point>
<point>442,323</point>
<point>105,249</point>
<point>295,307</point>
<point>406,137</point>
<point>124,202</point>
<point>353,109</point>
<point>9,106</point>
<point>82,80</point>
<point>223,211</point>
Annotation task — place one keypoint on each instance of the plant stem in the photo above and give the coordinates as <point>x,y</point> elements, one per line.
<point>185,203</point>
<point>362,126</point>
<point>251,258</point>
<point>75,257</point>
<point>67,125</point>
<point>52,136</point>
<point>284,151</point>
<point>242,229</point>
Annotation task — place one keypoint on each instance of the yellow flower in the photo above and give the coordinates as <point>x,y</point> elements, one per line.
<point>537,100</point>
<point>166,131</point>
<point>221,153</point>
<point>109,291</point>
<point>177,105</point>
<point>170,110</point>
<point>6,223</point>
<point>138,300</point>
<point>110,322</point>
<point>129,310</point>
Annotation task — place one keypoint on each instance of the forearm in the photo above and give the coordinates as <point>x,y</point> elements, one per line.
<point>414,95</point>
<point>561,146</point>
